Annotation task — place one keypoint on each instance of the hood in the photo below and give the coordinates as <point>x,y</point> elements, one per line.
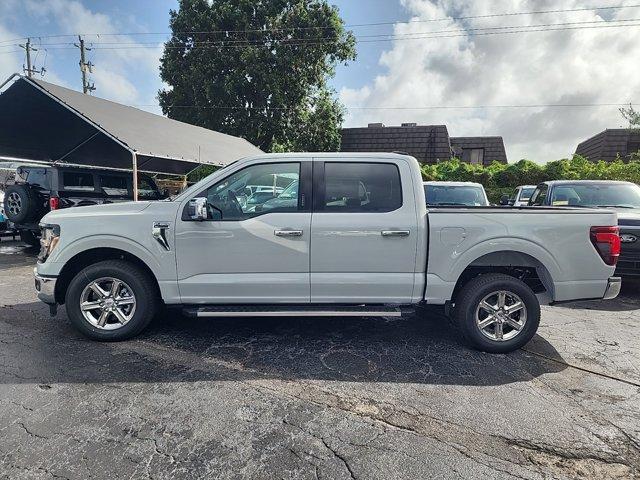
<point>124,208</point>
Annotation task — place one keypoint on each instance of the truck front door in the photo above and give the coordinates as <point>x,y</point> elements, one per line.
<point>254,245</point>
<point>363,232</point>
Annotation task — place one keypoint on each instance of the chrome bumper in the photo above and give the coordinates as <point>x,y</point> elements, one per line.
<point>46,287</point>
<point>613,288</point>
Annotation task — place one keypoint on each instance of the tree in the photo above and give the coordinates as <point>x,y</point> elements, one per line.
<point>632,116</point>
<point>257,70</point>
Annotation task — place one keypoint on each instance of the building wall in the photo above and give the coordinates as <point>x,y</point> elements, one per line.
<point>493,147</point>
<point>428,143</point>
<point>609,144</point>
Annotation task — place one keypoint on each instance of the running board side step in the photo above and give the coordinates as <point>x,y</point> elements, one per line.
<point>293,311</point>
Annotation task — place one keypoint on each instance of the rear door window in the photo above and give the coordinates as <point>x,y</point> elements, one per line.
<point>78,181</point>
<point>114,186</point>
<point>361,187</point>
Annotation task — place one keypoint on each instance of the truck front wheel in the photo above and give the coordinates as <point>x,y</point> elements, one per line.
<point>497,313</point>
<point>111,300</point>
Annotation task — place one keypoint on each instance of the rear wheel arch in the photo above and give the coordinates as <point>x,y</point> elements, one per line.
<point>514,263</point>
<point>95,255</point>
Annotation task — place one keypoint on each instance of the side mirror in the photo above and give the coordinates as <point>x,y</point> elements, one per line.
<point>198,209</point>
<point>504,200</point>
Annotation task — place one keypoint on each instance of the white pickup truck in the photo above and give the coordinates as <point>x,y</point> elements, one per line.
<point>343,235</point>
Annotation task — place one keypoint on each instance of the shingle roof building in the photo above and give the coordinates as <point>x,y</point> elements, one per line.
<point>609,144</point>
<point>428,143</point>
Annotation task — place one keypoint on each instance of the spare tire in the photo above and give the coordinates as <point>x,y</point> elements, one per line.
<point>20,203</point>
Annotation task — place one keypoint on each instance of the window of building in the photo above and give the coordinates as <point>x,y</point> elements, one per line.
<point>476,155</point>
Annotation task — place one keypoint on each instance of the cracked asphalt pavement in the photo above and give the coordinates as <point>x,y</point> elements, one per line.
<point>315,398</point>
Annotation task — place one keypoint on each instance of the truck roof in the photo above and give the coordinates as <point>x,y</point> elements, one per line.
<point>587,182</point>
<point>333,155</point>
<point>453,184</point>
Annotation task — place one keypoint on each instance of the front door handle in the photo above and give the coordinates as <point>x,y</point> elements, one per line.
<point>288,233</point>
<point>395,233</point>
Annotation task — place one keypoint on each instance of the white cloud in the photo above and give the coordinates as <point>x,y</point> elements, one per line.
<point>577,66</point>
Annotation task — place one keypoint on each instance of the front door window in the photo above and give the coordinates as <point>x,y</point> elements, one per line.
<point>255,190</point>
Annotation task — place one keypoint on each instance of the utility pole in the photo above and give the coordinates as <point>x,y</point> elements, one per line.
<point>29,70</point>
<point>85,67</point>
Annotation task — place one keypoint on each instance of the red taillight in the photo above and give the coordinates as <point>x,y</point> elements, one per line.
<point>54,203</point>
<point>607,243</point>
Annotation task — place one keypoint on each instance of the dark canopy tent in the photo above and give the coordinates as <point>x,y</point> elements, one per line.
<point>40,121</point>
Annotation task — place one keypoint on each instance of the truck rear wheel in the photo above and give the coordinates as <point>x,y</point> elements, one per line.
<point>497,313</point>
<point>111,300</point>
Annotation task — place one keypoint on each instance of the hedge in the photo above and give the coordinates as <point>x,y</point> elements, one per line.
<point>499,178</point>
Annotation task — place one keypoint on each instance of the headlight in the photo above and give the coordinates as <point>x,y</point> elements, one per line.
<point>49,239</point>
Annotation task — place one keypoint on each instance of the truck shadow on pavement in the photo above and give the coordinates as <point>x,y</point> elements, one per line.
<point>40,350</point>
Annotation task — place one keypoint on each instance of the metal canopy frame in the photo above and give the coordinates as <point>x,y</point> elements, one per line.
<point>180,164</point>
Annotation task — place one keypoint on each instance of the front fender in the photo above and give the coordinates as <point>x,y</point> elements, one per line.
<point>65,252</point>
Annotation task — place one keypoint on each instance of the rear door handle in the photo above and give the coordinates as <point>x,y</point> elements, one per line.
<point>288,233</point>
<point>395,233</point>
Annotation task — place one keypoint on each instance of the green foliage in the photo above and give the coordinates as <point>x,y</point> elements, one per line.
<point>632,116</point>
<point>499,179</point>
<point>260,73</point>
<point>201,172</point>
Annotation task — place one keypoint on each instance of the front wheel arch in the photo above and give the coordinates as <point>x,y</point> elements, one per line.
<point>95,255</point>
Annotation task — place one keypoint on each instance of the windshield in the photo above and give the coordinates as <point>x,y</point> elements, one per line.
<point>466,195</point>
<point>525,193</point>
<point>621,195</point>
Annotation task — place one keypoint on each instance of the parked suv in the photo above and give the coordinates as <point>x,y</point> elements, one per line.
<point>622,197</point>
<point>450,194</point>
<point>33,190</point>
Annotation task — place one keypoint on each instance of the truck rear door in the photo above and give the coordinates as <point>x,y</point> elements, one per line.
<point>363,231</point>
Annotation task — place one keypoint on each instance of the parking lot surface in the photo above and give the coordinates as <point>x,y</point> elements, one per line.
<point>315,398</point>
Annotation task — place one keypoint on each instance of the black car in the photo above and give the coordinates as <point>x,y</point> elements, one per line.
<point>622,197</point>
<point>32,190</point>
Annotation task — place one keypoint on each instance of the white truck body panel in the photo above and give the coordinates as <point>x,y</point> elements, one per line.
<point>340,258</point>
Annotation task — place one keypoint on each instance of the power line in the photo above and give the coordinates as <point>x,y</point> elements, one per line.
<point>317,42</point>
<point>430,107</point>
<point>355,25</point>
<point>389,36</point>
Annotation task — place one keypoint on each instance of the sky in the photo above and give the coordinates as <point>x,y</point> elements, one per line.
<point>427,63</point>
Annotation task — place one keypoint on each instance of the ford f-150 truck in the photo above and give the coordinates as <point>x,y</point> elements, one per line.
<point>351,236</point>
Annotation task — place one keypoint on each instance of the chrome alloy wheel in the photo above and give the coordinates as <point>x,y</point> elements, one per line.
<point>107,303</point>
<point>501,316</point>
<point>14,203</point>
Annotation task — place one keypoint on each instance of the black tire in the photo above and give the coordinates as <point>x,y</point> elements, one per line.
<point>468,300</point>
<point>20,203</point>
<point>143,288</point>
<point>30,238</point>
